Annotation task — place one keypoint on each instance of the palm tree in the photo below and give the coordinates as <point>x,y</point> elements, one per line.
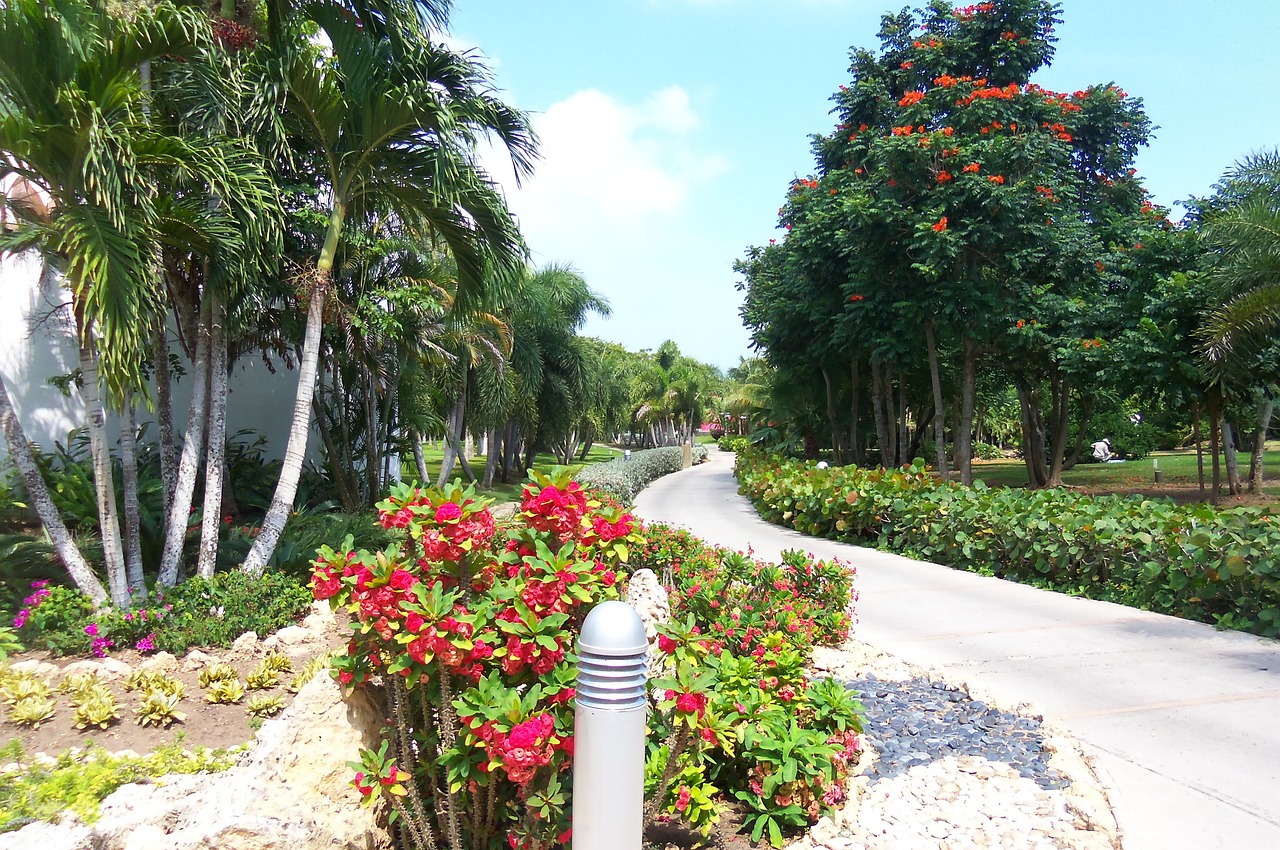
<point>393,121</point>
<point>72,122</point>
<point>1245,229</point>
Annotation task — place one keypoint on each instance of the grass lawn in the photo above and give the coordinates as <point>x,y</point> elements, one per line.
<point>502,492</point>
<point>1179,468</point>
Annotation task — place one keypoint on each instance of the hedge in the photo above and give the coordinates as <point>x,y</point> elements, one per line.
<point>1215,565</point>
<point>623,478</point>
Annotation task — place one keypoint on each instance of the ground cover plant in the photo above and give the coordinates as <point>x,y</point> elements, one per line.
<point>623,478</point>
<point>468,637</point>
<point>1192,561</point>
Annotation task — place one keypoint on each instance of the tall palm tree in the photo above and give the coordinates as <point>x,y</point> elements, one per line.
<point>393,122</point>
<point>72,122</point>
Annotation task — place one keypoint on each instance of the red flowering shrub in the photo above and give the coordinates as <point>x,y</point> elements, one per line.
<point>469,641</point>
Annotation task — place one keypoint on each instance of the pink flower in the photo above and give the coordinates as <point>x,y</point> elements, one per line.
<point>666,644</point>
<point>682,800</point>
<point>448,512</point>
<point>91,630</point>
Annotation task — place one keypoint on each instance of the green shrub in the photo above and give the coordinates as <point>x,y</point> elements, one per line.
<point>1192,561</point>
<point>216,611</point>
<point>80,781</point>
<point>623,478</point>
<point>734,444</point>
<point>304,533</point>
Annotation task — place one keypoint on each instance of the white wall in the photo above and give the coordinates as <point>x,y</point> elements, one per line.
<point>37,341</point>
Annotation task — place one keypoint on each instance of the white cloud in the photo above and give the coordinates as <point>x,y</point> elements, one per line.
<point>603,158</point>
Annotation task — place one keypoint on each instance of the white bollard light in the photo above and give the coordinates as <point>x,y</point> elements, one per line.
<point>609,720</point>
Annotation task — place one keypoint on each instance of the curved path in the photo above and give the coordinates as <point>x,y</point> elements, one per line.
<point>1183,720</point>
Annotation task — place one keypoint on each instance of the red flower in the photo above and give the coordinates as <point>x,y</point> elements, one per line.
<point>666,644</point>
<point>941,225</point>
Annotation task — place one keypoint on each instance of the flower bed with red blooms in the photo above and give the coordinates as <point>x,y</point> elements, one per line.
<point>466,636</point>
<point>467,639</point>
<point>736,718</point>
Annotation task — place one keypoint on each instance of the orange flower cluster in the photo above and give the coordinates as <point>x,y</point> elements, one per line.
<point>950,152</point>
<point>991,93</point>
<point>998,179</point>
<point>971,168</point>
<point>944,177</point>
<point>1059,131</point>
<point>857,298</point>
<point>911,98</point>
<point>1100,266</point>
<point>905,130</point>
<point>1047,193</point>
<point>803,184</point>
<point>945,81</point>
<point>1008,36</point>
<point>941,225</point>
<point>1091,343</point>
<point>920,45</point>
<point>964,13</point>
<point>948,131</point>
<point>1021,323</point>
<point>906,66</point>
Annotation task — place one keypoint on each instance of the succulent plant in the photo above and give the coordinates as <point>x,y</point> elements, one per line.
<point>278,662</point>
<point>265,706</point>
<point>262,678</point>
<point>308,672</point>
<point>32,710</point>
<point>225,691</point>
<point>96,707</point>
<point>218,671</point>
<point>80,684</point>
<point>158,709</point>
<point>22,685</point>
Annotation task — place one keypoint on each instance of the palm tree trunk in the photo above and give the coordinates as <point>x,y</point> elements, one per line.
<point>179,516</point>
<point>296,448</point>
<point>939,420</point>
<point>452,450</point>
<point>420,459</point>
<point>373,471</point>
<point>491,458</point>
<point>20,450</point>
<point>1229,454</point>
<point>216,441</point>
<point>164,415</point>
<point>129,482</point>
<point>1259,446</point>
<point>103,479</point>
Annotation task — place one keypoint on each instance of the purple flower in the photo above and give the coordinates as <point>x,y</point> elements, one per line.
<point>147,644</point>
<point>36,585</point>
<point>91,630</point>
<point>128,618</point>
<point>101,646</point>
<point>21,620</point>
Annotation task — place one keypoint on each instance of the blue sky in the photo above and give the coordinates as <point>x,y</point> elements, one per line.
<point>672,128</point>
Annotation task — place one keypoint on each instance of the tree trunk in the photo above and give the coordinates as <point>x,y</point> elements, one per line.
<point>904,438</point>
<point>836,454</point>
<point>451,448</point>
<point>372,469</point>
<point>510,446</point>
<point>491,457</point>
<point>1195,429</point>
<point>1061,413</point>
<point>969,393</point>
<point>884,431</point>
<point>939,412</point>
<point>164,416</point>
<point>855,388</point>
<point>1259,446</point>
<point>179,516</point>
<point>420,459</point>
<point>129,483</point>
<point>1033,448</point>
<point>1086,413</point>
<point>20,451</point>
<point>1215,446</point>
<point>1229,453</point>
<point>216,439</point>
<point>296,449</point>
<point>337,471</point>
<point>103,478</point>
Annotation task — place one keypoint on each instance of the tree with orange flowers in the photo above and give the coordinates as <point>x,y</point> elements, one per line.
<point>956,196</point>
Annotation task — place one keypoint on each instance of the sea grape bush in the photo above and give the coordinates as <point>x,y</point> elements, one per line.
<point>467,635</point>
<point>1192,561</point>
<point>623,478</point>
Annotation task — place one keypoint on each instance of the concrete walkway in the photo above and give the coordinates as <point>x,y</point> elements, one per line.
<point>1183,720</point>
